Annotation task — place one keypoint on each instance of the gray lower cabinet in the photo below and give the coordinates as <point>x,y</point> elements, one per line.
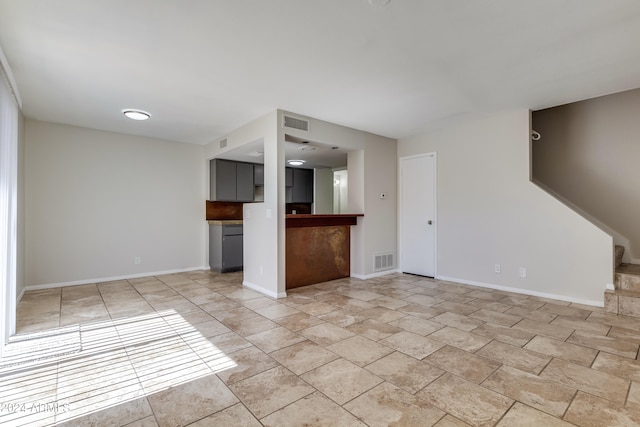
<point>225,247</point>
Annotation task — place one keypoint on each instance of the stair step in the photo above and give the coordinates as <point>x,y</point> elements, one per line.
<point>619,253</point>
<point>627,277</point>
<point>625,303</point>
<point>627,282</point>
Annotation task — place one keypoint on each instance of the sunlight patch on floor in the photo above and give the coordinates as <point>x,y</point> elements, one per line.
<point>64,373</point>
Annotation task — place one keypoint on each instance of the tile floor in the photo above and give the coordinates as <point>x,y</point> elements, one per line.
<point>198,349</point>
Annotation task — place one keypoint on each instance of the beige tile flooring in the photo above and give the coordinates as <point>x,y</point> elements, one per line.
<point>199,349</point>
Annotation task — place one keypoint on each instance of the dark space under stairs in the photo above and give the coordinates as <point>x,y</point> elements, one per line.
<point>625,299</point>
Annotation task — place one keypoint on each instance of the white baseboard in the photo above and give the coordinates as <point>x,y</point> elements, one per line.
<point>373,275</point>
<point>109,279</point>
<point>19,298</point>
<point>262,290</point>
<point>522,291</point>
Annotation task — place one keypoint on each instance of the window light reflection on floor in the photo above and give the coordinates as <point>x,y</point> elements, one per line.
<point>78,370</point>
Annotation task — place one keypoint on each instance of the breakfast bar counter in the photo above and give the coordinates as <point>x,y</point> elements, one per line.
<point>318,247</point>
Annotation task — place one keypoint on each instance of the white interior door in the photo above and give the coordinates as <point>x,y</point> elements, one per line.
<point>417,215</point>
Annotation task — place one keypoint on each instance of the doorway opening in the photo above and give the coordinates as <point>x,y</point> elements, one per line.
<point>340,191</point>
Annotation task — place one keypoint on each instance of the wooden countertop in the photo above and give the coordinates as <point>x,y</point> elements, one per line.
<point>321,220</point>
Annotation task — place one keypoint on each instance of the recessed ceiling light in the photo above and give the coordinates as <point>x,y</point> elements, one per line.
<point>296,162</point>
<point>136,114</point>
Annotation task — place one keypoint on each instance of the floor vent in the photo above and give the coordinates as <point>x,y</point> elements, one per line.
<point>383,261</point>
<point>293,123</point>
<point>223,143</point>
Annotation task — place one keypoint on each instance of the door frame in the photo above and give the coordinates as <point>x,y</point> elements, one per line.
<point>435,209</point>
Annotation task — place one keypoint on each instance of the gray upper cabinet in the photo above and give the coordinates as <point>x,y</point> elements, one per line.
<point>244,182</point>
<point>237,181</point>
<point>302,191</point>
<point>231,181</point>
<point>223,180</point>
<point>258,175</point>
<point>288,177</point>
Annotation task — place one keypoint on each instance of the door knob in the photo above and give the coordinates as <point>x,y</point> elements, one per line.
<point>429,222</point>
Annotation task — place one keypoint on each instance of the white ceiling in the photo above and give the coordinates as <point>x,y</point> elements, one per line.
<point>314,154</point>
<point>203,68</point>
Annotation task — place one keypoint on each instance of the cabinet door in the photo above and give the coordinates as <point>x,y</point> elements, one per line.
<point>308,185</point>
<point>215,247</point>
<point>258,175</point>
<point>244,182</point>
<point>231,252</point>
<point>288,177</point>
<point>223,180</point>
<point>302,186</point>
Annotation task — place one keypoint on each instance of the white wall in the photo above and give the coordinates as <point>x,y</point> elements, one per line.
<point>490,213</point>
<point>380,176</point>
<point>356,204</point>
<point>96,200</point>
<point>263,223</point>
<point>588,155</point>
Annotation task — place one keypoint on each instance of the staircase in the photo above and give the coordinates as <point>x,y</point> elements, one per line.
<point>625,299</point>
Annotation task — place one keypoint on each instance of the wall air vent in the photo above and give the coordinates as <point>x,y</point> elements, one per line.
<point>293,123</point>
<point>223,143</point>
<point>382,261</point>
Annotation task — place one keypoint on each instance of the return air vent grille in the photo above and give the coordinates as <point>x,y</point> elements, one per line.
<point>383,261</point>
<point>293,123</point>
<point>223,143</point>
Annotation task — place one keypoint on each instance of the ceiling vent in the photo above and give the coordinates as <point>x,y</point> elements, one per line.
<point>223,143</point>
<point>293,123</point>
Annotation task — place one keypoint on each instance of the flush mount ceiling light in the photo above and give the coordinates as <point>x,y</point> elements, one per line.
<point>296,162</point>
<point>136,114</point>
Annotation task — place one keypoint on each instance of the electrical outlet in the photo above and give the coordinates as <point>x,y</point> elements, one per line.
<point>497,269</point>
<point>523,272</point>
<point>137,260</point>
